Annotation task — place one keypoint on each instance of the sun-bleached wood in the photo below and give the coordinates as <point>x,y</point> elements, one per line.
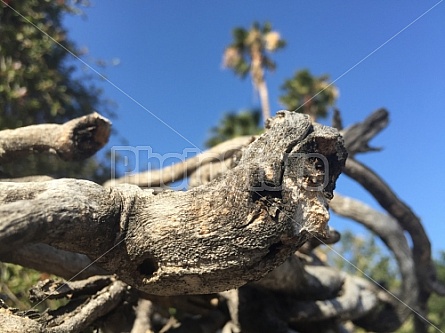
<point>74,140</point>
<point>211,238</point>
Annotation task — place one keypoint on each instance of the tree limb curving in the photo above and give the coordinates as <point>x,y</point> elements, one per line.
<point>424,266</point>
<point>158,178</point>
<point>391,233</point>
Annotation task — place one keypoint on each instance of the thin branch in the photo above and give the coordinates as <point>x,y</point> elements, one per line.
<point>84,315</point>
<point>178,171</point>
<point>49,289</point>
<point>232,300</point>
<point>337,121</point>
<point>256,309</point>
<point>144,311</point>
<point>354,301</point>
<point>396,208</point>
<point>208,171</point>
<point>45,258</point>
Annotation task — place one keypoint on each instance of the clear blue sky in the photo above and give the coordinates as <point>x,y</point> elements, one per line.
<point>170,63</point>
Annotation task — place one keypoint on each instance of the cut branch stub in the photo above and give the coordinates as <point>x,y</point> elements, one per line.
<point>74,140</point>
<point>357,136</point>
<point>236,228</point>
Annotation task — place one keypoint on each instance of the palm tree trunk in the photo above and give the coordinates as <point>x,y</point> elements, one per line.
<point>309,108</point>
<point>264,99</point>
<point>257,73</point>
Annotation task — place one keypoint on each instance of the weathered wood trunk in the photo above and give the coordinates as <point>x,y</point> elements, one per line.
<point>211,238</point>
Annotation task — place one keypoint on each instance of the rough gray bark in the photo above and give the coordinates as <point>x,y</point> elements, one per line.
<point>390,316</point>
<point>108,293</point>
<point>208,239</point>
<point>300,295</point>
<point>247,219</point>
<point>421,250</point>
<point>12,323</point>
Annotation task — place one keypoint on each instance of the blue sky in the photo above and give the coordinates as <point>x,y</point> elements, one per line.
<point>172,88</point>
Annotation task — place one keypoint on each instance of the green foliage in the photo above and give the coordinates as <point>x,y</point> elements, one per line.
<point>235,124</point>
<point>39,82</point>
<point>15,282</point>
<point>367,259</point>
<point>38,85</point>
<point>436,304</point>
<point>309,94</point>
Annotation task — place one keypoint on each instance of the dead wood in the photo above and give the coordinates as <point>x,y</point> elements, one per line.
<point>49,289</point>
<point>162,177</point>
<point>91,299</point>
<point>421,251</point>
<point>227,231</point>
<point>84,315</point>
<point>356,139</point>
<point>144,311</point>
<point>208,239</point>
<point>357,136</point>
<point>14,323</point>
<point>45,258</point>
<point>75,140</point>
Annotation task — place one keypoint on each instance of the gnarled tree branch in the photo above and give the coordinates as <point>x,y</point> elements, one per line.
<point>208,239</point>
<point>222,234</point>
<point>357,139</point>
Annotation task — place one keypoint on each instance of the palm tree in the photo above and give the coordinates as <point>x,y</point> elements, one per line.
<point>235,124</point>
<point>309,94</point>
<point>249,53</point>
